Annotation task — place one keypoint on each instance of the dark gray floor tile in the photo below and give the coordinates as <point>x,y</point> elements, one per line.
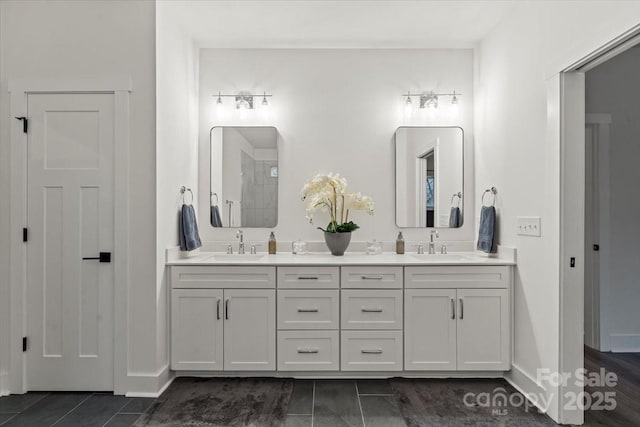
<point>374,387</point>
<point>123,420</point>
<point>6,417</point>
<point>95,411</point>
<point>19,402</point>
<point>381,411</point>
<point>298,421</point>
<point>48,410</point>
<point>137,405</point>
<point>301,402</point>
<point>336,404</point>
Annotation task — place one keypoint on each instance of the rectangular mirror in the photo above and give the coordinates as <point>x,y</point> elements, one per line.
<point>429,177</point>
<point>244,177</point>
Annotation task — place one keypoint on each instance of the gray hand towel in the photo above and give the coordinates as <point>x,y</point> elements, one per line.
<point>216,219</point>
<point>455,218</point>
<point>188,229</point>
<point>487,232</point>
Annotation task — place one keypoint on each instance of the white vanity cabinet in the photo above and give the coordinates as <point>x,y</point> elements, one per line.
<point>457,318</point>
<point>308,318</point>
<point>384,319</point>
<point>223,318</point>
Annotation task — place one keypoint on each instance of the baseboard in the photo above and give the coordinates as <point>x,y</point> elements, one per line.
<point>624,343</point>
<point>527,385</point>
<point>340,374</point>
<point>149,385</point>
<point>4,384</point>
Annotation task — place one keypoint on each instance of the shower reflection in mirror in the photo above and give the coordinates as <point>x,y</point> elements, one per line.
<point>429,177</point>
<point>244,176</point>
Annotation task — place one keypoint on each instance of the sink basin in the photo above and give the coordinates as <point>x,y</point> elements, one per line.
<point>442,257</point>
<point>237,257</point>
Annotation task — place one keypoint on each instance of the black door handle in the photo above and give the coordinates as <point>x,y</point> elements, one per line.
<point>104,257</point>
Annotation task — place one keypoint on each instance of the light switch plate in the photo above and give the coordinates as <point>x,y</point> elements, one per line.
<point>529,226</point>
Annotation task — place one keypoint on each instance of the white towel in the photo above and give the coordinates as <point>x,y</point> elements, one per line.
<point>234,211</point>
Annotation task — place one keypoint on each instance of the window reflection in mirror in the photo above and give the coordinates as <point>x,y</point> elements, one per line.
<point>429,177</point>
<point>244,177</point>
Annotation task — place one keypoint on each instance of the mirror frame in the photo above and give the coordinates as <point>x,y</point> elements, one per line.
<point>395,176</point>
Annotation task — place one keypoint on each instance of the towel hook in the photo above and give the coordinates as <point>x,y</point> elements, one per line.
<point>458,195</point>
<point>493,191</point>
<point>183,190</point>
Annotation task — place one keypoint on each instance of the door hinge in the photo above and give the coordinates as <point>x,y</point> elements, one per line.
<point>25,123</point>
<point>25,344</point>
<point>25,234</point>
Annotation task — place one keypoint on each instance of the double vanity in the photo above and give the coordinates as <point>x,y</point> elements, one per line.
<point>325,316</point>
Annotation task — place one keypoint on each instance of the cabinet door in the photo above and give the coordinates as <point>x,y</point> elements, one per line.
<point>249,330</point>
<point>483,330</point>
<point>430,329</point>
<point>196,329</point>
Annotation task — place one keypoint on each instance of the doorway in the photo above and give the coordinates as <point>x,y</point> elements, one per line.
<point>582,233</point>
<point>70,240</point>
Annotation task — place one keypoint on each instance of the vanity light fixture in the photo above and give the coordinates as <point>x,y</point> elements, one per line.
<point>244,100</point>
<point>430,99</point>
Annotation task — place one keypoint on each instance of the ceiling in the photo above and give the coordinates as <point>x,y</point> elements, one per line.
<point>335,24</point>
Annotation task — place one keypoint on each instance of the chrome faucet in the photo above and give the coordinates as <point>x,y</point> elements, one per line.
<point>239,235</point>
<point>432,245</point>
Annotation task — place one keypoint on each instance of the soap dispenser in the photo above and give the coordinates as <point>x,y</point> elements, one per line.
<point>272,244</point>
<point>400,244</point>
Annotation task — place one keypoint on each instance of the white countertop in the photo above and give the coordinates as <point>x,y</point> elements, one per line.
<point>318,259</point>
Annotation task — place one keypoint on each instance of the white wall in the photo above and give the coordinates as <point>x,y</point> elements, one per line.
<point>336,111</point>
<point>176,150</point>
<point>612,88</point>
<point>514,153</point>
<point>68,39</point>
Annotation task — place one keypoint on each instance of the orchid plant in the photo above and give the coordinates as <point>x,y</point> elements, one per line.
<point>328,193</point>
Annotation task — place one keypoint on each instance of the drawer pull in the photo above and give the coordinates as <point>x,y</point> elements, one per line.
<point>372,277</point>
<point>371,310</point>
<point>307,310</point>
<point>308,278</point>
<point>372,351</point>
<point>308,351</point>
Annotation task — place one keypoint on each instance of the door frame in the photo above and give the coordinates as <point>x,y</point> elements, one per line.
<point>120,88</point>
<point>599,169</point>
<point>566,130</point>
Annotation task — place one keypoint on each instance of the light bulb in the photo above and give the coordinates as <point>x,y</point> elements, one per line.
<point>219,107</point>
<point>408,107</point>
<point>265,103</point>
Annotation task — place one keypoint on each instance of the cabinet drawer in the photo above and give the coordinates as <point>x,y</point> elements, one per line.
<point>309,277</point>
<point>371,277</point>
<point>468,277</point>
<point>308,309</point>
<point>308,351</point>
<point>223,277</point>
<point>371,351</point>
<point>375,309</point>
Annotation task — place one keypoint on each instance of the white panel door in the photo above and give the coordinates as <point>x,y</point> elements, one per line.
<point>430,329</point>
<point>249,330</point>
<point>196,329</point>
<point>483,330</point>
<point>70,217</point>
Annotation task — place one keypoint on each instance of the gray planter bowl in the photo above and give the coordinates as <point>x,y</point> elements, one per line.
<point>337,242</point>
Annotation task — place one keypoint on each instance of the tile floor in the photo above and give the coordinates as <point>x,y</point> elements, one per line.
<point>62,409</point>
<point>319,403</point>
